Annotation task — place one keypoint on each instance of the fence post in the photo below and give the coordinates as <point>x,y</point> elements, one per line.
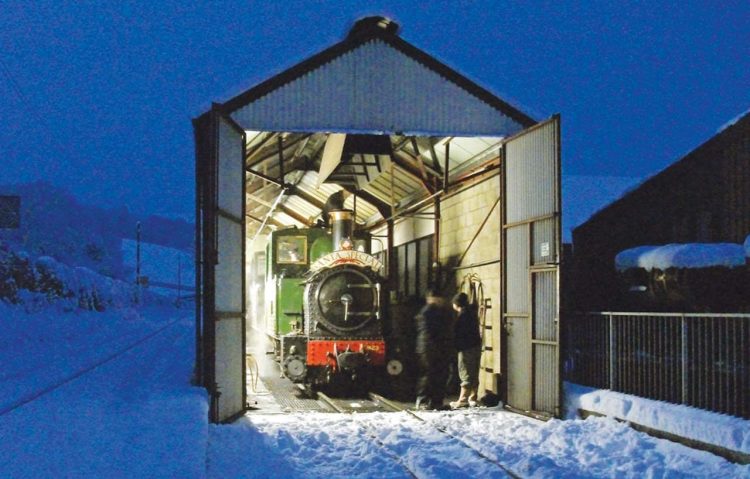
<point>611,353</point>
<point>684,358</point>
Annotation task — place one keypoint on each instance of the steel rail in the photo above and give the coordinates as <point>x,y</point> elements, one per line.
<point>330,402</point>
<point>452,436</point>
<point>37,394</point>
<point>368,430</point>
<point>396,458</point>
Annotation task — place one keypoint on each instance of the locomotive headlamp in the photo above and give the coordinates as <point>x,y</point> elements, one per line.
<point>394,367</point>
<point>346,244</point>
<point>342,229</point>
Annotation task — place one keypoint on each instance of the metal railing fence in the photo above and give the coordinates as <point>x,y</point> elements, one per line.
<point>700,360</point>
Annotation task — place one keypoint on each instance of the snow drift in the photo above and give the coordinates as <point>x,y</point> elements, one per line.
<point>34,282</point>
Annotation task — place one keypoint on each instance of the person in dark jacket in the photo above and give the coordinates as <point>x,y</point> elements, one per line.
<point>433,340</point>
<point>468,343</point>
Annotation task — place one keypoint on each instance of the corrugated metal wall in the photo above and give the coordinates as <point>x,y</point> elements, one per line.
<point>546,369</point>
<point>530,175</point>
<point>229,280</point>
<point>735,196</point>
<point>517,267</point>
<point>374,88</point>
<point>531,256</point>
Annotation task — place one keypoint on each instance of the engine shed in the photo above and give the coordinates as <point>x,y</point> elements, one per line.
<point>447,185</point>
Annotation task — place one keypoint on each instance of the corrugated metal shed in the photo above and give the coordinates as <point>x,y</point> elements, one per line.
<point>375,88</point>
<point>371,83</point>
<point>373,120</point>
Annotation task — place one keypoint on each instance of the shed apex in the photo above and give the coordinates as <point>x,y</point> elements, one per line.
<point>367,26</point>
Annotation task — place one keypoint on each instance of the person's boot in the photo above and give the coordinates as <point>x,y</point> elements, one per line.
<point>472,398</point>
<point>463,399</point>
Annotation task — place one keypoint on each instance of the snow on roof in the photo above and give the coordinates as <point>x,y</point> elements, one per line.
<point>687,255</point>
<point>733,121</point>
<point>747,246</point>
<point>584,195</point>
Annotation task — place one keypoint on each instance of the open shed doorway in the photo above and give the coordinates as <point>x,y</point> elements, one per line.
<point>441,211</point>
<point>393,184</point>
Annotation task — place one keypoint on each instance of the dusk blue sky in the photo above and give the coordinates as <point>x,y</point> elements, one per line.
<point>98,97</point>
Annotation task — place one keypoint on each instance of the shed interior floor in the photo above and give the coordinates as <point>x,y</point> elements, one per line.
<point>267,390</point>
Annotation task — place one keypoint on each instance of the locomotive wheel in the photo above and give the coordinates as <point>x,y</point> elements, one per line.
<point>295,368</point>
<point>342,299</point>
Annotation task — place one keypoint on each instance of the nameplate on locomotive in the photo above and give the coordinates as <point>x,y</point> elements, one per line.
<point>347,257</point>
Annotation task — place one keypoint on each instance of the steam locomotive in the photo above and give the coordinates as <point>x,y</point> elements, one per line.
<point>325,305</point>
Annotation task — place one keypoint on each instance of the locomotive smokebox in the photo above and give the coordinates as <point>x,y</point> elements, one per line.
<point>342,228</point>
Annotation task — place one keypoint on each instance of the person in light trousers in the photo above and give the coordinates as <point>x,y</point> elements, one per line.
<point>468,343</point>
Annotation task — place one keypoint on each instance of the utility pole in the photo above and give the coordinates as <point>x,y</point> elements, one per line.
<point>179,279</point>
<point>138,261</point>
<point>138,253</point>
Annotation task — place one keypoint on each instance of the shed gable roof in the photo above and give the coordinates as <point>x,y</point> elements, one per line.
<point>375,82</point>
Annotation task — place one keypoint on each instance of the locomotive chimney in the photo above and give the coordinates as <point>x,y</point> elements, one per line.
<point>342,228</point>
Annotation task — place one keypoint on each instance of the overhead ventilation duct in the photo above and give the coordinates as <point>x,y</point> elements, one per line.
<point>331,156</point>
<point>365,26</point>
<point>368,145</point>
<point>362,157</point>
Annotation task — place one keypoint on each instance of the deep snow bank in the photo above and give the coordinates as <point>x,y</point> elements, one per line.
<point>368,445</point>
<point>721,430</point>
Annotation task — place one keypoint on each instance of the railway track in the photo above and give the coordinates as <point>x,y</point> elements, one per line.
<point>372,403</point>
<point>34,395</point>
<point>447,433</point>
<point>377,403</point>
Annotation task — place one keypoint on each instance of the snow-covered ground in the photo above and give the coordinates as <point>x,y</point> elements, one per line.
<point>720,430</point>
<point>319,445</point>
<point>135,415</point>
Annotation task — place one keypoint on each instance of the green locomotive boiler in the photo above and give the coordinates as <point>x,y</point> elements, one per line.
<point>324,304</point>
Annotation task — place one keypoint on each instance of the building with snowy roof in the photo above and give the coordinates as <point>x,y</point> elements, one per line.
<point>703,198</point>
<point>662,283</point>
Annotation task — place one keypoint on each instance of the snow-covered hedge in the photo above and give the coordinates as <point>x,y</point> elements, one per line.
<point>24,279</point>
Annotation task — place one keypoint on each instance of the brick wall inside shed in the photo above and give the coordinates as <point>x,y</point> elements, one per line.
<point>461,217</point>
